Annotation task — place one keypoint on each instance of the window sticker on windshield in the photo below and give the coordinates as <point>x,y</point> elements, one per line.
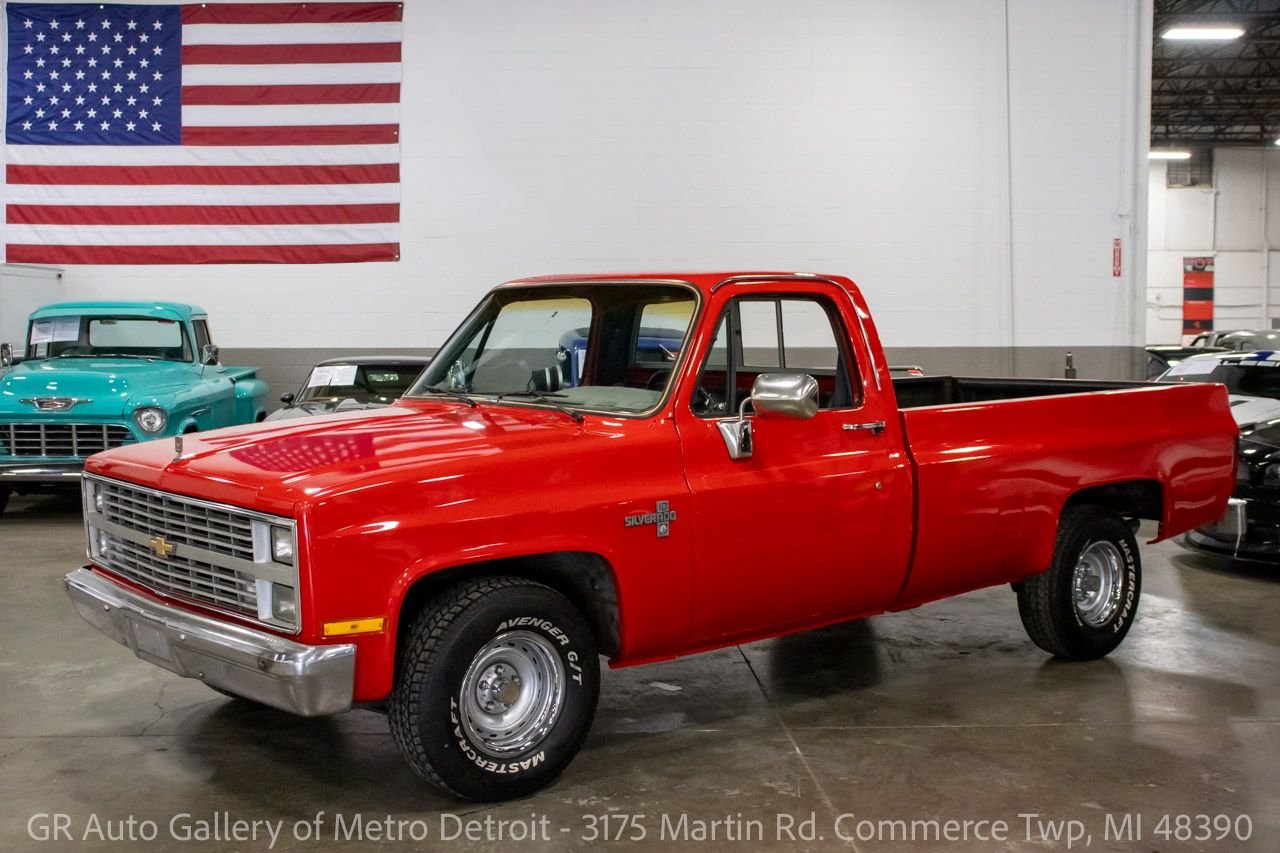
<point>1194,367</point>
<point>66,329</point>
<point>41,332</point>
<point>332,374</point>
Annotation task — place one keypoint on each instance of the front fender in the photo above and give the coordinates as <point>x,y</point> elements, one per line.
<point>251,399</point>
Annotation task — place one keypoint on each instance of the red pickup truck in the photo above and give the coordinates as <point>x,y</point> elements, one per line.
<point>462,558</point>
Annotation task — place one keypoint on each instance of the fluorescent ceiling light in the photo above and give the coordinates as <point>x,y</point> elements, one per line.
<point>1202,33</point>
<point>1166,154</point>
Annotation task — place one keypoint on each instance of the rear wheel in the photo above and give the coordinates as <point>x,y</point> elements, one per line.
<point>5,492</point>
<point>496,689</point>
<point>1084,605</point>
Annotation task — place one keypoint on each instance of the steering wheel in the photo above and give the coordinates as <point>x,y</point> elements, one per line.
<point>658,380</point>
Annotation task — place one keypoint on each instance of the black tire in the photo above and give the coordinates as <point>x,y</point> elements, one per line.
<point>455,640</point>
<point>1078,625</point>
<point>5,492</point>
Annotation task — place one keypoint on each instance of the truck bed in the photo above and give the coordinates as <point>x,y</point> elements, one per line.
<point>996,459</point>
<point>916,391</point>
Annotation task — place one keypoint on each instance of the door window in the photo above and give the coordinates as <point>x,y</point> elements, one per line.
<point>791,334</point>
<point>202,334</point>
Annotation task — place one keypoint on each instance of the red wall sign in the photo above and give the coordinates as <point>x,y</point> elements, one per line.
<point>1197,295</point>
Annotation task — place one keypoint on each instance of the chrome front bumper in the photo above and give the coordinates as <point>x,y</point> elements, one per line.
<point>36,471</point>
<point>306,680</point>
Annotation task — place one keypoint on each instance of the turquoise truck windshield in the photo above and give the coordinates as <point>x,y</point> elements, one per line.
<point>75,336</point>
<point>591,346</point>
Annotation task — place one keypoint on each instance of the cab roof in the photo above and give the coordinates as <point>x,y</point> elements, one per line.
<point>159,310</point>
<point>704,281</point>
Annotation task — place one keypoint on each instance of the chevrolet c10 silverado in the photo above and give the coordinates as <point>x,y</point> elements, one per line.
<point>98,375</point>
<point>463,558</point>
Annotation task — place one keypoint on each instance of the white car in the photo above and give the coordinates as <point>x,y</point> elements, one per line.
<point>1252,379</point>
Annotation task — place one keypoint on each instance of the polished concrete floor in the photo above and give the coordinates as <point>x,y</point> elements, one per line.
<point>944,713</point>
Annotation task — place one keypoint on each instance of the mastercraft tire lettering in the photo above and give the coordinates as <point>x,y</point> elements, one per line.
<point>496,690</point>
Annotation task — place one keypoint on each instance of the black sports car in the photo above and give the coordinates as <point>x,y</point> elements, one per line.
<point>1250,529</point>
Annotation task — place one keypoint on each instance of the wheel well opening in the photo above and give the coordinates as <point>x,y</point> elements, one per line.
<point>586,579</point>
<point>1131,499</point>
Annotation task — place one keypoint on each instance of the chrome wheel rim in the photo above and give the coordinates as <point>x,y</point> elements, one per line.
<point>1097,583</point>
<point>512,694</point>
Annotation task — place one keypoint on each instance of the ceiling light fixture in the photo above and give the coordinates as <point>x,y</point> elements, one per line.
<point>1202,33</point>
<point>1167,154</point>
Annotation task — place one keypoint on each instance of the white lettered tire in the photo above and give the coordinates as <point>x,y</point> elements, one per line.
<point>1084,605</point>
<point>496,688</point>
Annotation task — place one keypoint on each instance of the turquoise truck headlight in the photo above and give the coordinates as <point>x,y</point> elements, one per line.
<point>150,419</point>
<point>282,545</point>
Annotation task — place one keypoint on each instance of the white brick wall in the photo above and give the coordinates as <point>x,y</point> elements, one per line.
<point>876,138</point>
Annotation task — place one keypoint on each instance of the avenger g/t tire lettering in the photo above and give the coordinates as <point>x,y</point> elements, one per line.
<point>496,688</point>
<point>1084,605</point>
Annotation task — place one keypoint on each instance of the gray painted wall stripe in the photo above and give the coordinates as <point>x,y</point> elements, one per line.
<point>285,369</point>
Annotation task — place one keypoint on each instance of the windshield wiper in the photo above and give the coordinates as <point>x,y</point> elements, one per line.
<point>104,355</point>
<point>445,392</point>
<point>541,397</point>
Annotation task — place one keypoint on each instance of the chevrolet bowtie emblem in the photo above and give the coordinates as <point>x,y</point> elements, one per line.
<point>52,404</point>
<point>161,548</point>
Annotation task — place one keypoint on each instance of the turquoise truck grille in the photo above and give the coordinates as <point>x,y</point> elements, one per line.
<point>61,440</point>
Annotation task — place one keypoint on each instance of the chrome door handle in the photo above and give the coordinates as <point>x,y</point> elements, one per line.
<point>876,427</point>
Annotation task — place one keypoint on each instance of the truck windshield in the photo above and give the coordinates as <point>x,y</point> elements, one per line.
<point>75,336</point>
<point>592,346</point>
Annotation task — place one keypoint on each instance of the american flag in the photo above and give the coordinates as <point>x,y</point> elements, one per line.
<point>202,133</point>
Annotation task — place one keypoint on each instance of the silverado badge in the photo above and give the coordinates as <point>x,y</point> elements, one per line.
<point>160,547</point>
<point>662,516</point>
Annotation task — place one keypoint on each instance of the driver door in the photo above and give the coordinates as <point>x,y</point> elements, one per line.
<point>815,525</point>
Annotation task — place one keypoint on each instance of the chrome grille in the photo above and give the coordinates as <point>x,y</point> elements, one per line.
<point>61,439</point>
<point>203,582</point>
<point>211,554</point>
<point>178,521</point>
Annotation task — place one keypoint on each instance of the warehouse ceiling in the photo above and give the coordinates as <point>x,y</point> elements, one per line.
<point>1216,93</point>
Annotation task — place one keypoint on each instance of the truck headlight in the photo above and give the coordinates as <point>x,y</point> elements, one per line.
<point>150,419</point>
<point>284,603</point>
<point>277,602</point>
<point>282,545</point>
<point>92,496</point>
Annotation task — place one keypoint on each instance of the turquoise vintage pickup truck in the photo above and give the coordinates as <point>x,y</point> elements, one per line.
<point>96,375</point>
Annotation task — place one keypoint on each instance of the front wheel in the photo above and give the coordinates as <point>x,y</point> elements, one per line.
<point>496,689</point>
<point>1082,607</point>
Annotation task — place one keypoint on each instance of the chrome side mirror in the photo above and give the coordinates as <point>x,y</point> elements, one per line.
<point>287,398</point>
<point>209,354</point>
<point>6,355</point>
<point>783,395</point>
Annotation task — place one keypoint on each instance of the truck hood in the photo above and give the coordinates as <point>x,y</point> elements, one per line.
<point>102,387</point>
<point>273,466</point>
